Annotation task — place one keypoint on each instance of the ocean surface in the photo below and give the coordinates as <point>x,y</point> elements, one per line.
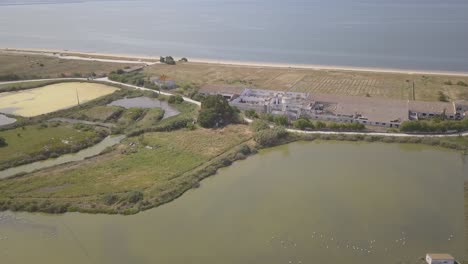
<point>405,34</point>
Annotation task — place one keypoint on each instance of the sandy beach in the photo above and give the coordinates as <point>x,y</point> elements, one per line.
<point>133,58</point>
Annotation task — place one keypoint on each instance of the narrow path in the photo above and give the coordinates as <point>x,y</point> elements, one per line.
<point>77,121</point>
<point>44,80</point>
<point>106,80</point>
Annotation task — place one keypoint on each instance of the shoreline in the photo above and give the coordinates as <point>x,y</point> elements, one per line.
<point>72,54</point>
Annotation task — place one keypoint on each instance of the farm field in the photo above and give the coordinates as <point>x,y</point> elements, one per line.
<point>51,98</point>
<point>341,82</point>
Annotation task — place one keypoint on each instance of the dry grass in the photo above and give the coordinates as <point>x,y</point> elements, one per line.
<point>389,85</point>
<point>36,66</point>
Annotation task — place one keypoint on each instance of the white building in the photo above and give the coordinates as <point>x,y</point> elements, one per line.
<point>439,259</point>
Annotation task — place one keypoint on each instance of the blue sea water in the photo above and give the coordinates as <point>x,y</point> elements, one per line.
<point>406,34</point>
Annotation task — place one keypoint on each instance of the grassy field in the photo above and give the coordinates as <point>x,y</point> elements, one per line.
<point>154,164</point>
<point>100,113</point>
<point>389,85</point>
<point>23,86</point>
<point>37,66</point>
<point>37,142</point>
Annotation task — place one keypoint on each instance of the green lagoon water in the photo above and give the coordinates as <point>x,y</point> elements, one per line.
<point>315,202</point>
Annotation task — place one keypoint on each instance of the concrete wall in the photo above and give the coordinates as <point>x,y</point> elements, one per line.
<point>432,261</point>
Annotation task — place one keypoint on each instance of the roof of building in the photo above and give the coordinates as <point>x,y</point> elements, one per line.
<point>225,89</point>
<point>374,109</point>
<point>431,107</point>
<point>440,256</point>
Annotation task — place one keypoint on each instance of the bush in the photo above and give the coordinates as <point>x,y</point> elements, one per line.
<point>270,137</point>
<point>258,125</point>
<point>442,97</point>
<point>245,150</point>
<point>434,126</point>
<point>3,142</point>
<point>251,114</point>
<point>177,99</point>
<point>267,117</point>
<point>110,199</point>
<point>320,125</point>
<point>461,83</point>
<point>9,77</point>
<point>281,120</point>
<point>448,83</point>
<point>303,123</point>
<point>134,196</point>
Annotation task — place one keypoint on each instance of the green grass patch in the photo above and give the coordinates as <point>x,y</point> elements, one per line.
<point>100,113</point>
<point>38,142</point>
<point>153,161</point>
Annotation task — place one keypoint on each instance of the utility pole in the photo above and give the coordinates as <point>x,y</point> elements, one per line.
<point>77,97</point>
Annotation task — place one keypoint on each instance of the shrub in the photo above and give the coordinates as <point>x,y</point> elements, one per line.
<point>303,123</point>
<point>3,142</point>
<point>448,83</point>
<point>320,125</point>
<point>434,126</point>
<point>461,83</point>
<point>191,126</point>
<point>281,120</point>
<point>258,125</point>
<point>442,97</point>
<point>251,114</point>
<point>9,77</point>
<point>110,198</point>
<point>267,117</point>
<point>270,137</point>
<point>245,150</point>
<point>175,99</point>
<point>134,196</point>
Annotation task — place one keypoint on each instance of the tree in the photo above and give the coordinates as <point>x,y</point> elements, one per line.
<point>3,142</point>
<point>215,111</point>
<point>184,59</point>
<point>162,59</point>
<point>169,60</point>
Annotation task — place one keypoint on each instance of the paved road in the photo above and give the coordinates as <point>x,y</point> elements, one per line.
<point>106,80</point>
